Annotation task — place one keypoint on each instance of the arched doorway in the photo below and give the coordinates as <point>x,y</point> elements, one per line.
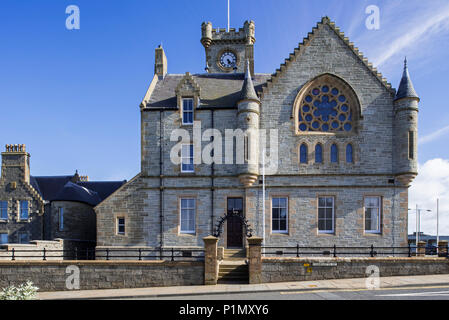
<point>235,223</point>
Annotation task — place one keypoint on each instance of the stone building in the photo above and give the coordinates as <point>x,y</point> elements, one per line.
<point>46,208</point>
<point>339,150</point>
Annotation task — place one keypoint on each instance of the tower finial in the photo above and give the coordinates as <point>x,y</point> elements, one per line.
<point>405,62</point>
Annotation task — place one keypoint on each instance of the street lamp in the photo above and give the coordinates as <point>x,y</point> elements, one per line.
<point>418,222</point>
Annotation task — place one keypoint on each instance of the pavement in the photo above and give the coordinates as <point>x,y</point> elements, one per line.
<point>301,286</point>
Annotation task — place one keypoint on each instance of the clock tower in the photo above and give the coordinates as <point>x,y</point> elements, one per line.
<point>227,51</point>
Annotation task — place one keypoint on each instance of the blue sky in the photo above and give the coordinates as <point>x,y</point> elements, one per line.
<point>72,96</point>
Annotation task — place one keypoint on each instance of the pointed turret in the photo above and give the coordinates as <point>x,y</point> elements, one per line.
<point>406,106</point>
<point>406,89</point>
<point>248,92</point>
<point>248,121</point>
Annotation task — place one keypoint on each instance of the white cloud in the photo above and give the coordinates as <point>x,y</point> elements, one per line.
<point>423,27</point>
<point>433,136</point>
<point>431,184</point>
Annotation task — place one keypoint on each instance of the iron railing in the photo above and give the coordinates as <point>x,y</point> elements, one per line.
<point>337,251</point>
<point>139,254</point>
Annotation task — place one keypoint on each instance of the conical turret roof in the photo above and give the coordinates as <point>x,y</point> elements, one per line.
<point>406,89</point>
<point>248,92</point>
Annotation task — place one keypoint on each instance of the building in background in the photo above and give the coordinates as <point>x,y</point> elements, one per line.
<point>46,208</point>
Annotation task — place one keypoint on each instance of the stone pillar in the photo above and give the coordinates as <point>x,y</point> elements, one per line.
<point>442,248</point>
<point>220,253</point>
<point>210,260</point>
<point>255,260</point>
<point>421,248</point>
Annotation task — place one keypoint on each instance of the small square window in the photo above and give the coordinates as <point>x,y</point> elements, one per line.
<point>3,210</point>
<point>23,237</point>
<point>3,238</point>
<point>24,214</point>
<point>120,225</point>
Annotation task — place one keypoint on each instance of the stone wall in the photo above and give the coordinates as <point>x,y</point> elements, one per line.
<point>52,276</point>
<point>15,187</point>
<point>79,221</point>
<point>304,269</point>
<point>33,251</point>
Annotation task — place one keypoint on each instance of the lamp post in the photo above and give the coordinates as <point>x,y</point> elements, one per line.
<point>418,223</point>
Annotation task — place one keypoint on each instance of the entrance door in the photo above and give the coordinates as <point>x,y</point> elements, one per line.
<point>234,223</point>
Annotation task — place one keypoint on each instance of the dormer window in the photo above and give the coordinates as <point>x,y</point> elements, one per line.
<point>187,111</point>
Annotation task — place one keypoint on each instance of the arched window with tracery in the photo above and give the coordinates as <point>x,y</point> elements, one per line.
<point>326,104</point>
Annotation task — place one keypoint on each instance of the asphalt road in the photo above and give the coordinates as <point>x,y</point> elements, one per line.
<point>412,293</point>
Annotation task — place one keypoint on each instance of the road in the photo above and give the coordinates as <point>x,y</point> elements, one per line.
<point>411,293</point>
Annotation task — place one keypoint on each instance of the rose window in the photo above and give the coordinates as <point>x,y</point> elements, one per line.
<point>325,108</point>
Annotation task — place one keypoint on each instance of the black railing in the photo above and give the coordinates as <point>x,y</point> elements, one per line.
<point>336,251</point>
<point>139,254</point>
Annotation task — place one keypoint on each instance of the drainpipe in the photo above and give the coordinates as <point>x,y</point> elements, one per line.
<point>212,185</point>
<point>161,188</point>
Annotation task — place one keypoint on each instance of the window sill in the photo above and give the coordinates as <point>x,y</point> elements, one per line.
<point>324,233</point>
<point>280,233</point>
<point>373,233</point>
<point>187,233</point>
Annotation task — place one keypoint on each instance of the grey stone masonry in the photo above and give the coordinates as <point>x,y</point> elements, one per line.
<point>15,190</point>
<point>366,137</point>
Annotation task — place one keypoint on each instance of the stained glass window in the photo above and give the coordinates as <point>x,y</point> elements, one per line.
<point>325,108</point>
<point>303,153</point>
<point>334,153</point>
<point>349,154</point>
<point>318,153</point>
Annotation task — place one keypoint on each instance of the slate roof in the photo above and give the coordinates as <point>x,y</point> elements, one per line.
<point>406,89</point>
<point>248,92</point>
<point>49,187</point>
<point>103,188</point>
<point>74,192</point>
<point>67,188</point>
<point>217,90</point>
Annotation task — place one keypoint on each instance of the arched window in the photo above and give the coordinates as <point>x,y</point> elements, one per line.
<point>318,154</point>
<point>349,154</point>
<point>303,153</point>
<point>334,153</point>
<point>326,104</point>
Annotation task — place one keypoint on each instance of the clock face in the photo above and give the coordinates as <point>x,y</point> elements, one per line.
<point>228,59</point>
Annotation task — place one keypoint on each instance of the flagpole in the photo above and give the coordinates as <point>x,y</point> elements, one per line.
<point>438,233</point>
<point>229,15</point>
<point>263,195</point>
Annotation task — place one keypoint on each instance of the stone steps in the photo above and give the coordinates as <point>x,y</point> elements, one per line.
<point>233,268</point>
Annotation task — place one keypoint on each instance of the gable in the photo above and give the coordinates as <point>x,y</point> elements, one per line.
<point>326,40</point>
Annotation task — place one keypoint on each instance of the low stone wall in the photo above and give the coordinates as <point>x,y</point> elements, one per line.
<point>303,269</point>
<point>52,275</point>
<point>33,250</point>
